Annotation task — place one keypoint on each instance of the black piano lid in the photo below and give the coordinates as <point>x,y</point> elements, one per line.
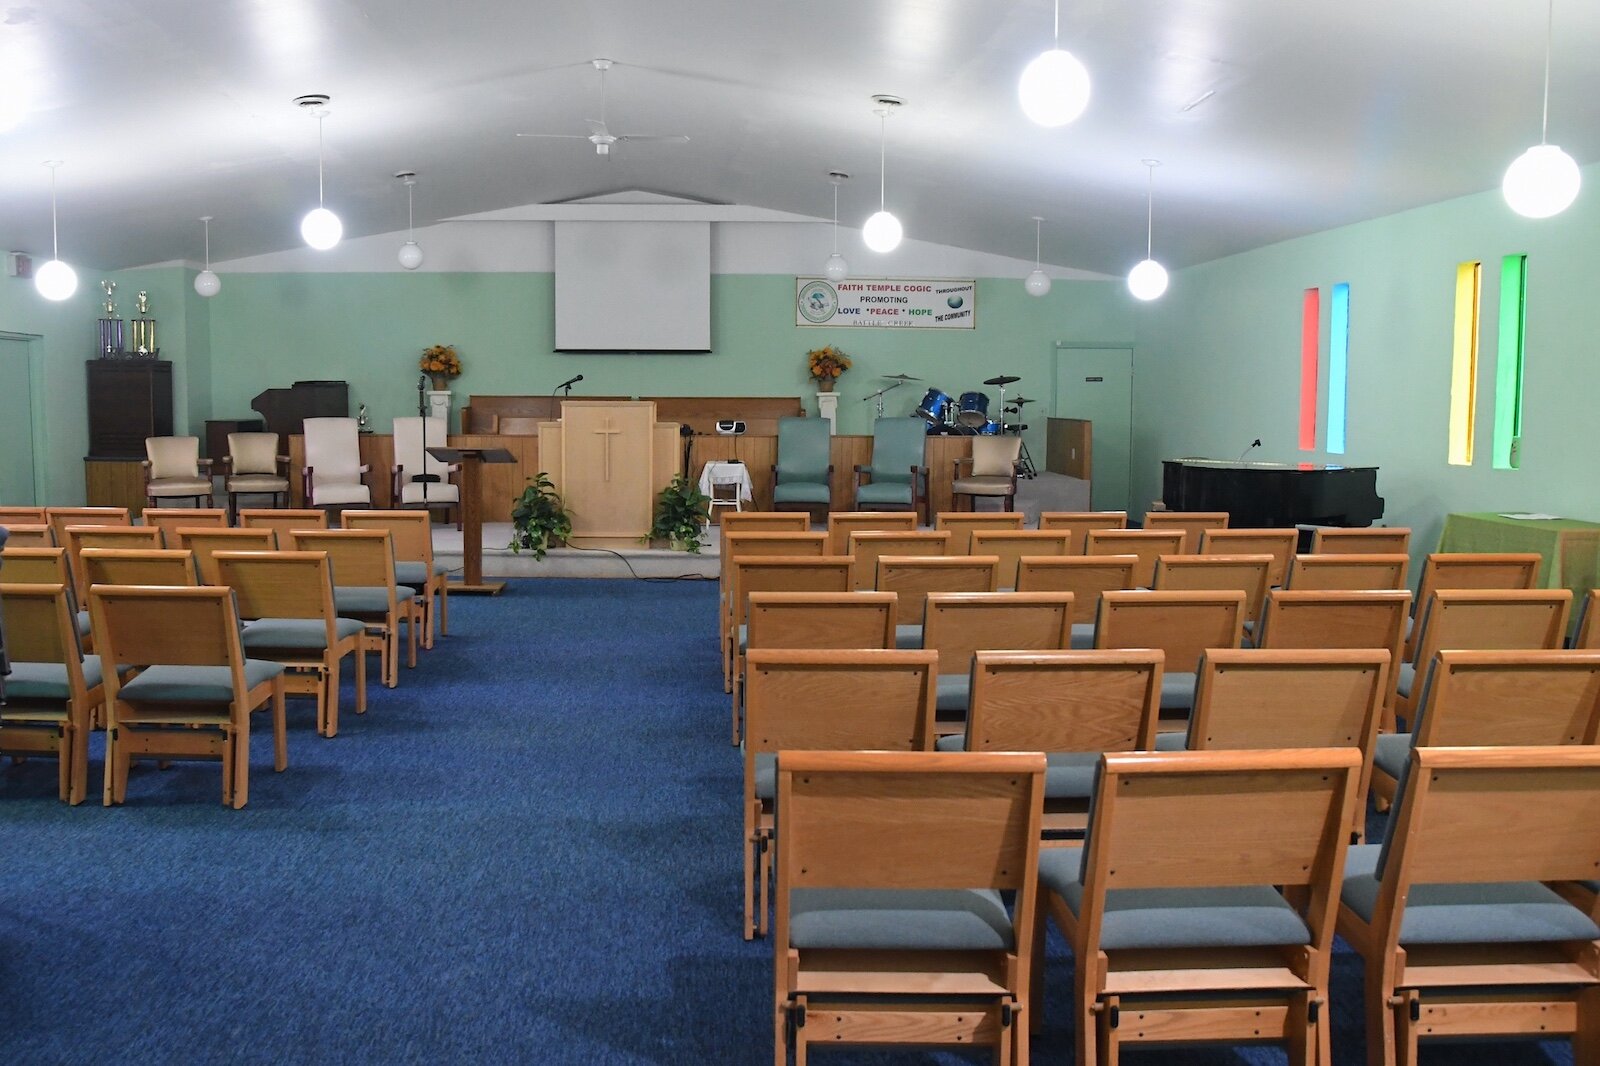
<point>1227,464</point>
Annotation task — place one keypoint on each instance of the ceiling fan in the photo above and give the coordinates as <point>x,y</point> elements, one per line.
<point>599,135</point>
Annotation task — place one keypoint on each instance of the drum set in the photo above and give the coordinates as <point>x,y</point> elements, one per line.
<point>968,414</point>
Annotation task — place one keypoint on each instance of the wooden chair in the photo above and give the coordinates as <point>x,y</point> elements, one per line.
<point>843,523</point>
<point>81,537</point>
<point>1587,637</point>
<point>362,561</point>
<point>1245,851</point>
<point>776,573</point>
<point>739,545</point>
<point>131,566</point>
<point>20,535</point>
<point>205,543</point>
<point>1346,573</point>
<point>1278,543</point>
<point>1498,699</point>
<point>1081,523</point>
<point>45,566</point>
<point>59,518</point>
<point>1182,624</point>
<point>53,688</point>
<point>1249,574</point>
<point>1270,698</point>
<point>1148,544</point>
<point>961,524</point>
<point>958,625</point>
<point>939,836</point>
<point>1481,619</point>
<point>765,522</point>
<point>170,519</point>
<point>914,576</point>
<point>22,516</point>
<point>412,534</point>
<point>1310,620</point>
<point>1459,934</point>
<point>1010,545</point>
<point>991,473</point>
<point>1473,570</point>
<point>288,597</point>
<point>194,689</point>
<point>816,620</point>
<point>1086,577</point>
<point>1193,523</point>
<point>822,700</point>
<point>283,520</point>
<point>1072,705</point>
<point>1376,540</point>
<point>868,546</point>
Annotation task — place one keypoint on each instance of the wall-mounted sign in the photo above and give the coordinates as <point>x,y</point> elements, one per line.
<point>927,303</point>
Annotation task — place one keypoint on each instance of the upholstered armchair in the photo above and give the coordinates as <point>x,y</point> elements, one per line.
<point>420,480</point>
<point>173,469</point>
<point>897,475</point>
<point>802,477</point>
<point>254,467</point>
<point>334,475</point>
<point>991,471</point>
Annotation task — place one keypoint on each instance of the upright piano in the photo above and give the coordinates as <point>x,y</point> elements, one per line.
<point>1258,495</point>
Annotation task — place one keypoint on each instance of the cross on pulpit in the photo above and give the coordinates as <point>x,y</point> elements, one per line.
<point>607,432</point>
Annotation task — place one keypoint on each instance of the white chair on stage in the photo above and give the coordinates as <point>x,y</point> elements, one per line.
<point>333,474</point>
<point>420,480</point>
<point>726,483</point>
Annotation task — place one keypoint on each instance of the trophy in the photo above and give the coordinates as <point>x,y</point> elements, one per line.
<point>110,325</point>
<point>143,329</point>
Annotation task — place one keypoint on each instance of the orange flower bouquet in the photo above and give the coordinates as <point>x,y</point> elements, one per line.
<point>825,365</point>
<point>441,363</point>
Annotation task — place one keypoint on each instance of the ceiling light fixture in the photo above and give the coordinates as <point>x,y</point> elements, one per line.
<point>321,228</point>
<point>882,232</point>
<point>1054,88</point>
<point>55,280</point>
<point>1544,180</point>
<point>206,283</point>
<point>1038,282</point>
<point>1148,279</point>
<point>410,252</point>
<point>836,269</point>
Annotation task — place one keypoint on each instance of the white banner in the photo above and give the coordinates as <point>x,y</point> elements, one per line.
<point>928,303</point>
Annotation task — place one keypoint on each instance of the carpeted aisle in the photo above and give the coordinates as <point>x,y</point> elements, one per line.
<point>529,852</point>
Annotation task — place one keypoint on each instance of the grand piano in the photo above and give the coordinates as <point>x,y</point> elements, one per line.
<point>1273,495</point>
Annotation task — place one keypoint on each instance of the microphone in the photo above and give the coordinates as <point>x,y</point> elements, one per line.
<point>567,384</point>
<point>1253,446</point>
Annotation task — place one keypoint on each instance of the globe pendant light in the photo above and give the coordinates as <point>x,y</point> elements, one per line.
<point>410,252</point>
<point>1054,88</point>
<point>836,269</point>
<point>1148,279</point>
<point>1038,282</point>
<point>55,280</point>
<point>321,228</point>
<point>882,232</point>
<point>1544,180</point>
<point>206,283</point>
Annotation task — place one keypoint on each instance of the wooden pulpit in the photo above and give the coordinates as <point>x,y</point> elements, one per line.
<point>470,460</point>
<point>609,459</point>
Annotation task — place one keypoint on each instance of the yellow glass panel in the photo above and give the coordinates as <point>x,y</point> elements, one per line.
<point>1464,364</point>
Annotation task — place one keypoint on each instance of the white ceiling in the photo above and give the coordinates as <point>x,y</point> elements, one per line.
<point>1323,114</point>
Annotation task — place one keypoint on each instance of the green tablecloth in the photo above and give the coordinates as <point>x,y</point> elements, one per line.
<point>1571,549</point>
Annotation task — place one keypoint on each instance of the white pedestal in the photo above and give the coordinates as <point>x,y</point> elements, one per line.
<point>828,407</point>
<point>439,404</point>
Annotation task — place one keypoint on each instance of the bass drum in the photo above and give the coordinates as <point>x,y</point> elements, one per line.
<point>974,410</point>
<point>990,428</point>
<point>934,408</point>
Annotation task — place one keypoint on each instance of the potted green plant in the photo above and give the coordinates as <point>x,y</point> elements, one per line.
<point>539,519</point>
<point>682,510</point>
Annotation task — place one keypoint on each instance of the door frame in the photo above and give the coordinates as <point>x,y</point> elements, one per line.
<point>1055,366</point>
<point>36,408</point>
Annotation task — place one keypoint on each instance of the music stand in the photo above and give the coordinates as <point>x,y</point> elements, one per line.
<point>470,460</point>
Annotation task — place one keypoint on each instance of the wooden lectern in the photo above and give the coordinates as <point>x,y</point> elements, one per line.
<point>609,459</point>
<point>470,460</point>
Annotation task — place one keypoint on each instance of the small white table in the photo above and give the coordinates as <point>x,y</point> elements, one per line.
<point>727,475</point>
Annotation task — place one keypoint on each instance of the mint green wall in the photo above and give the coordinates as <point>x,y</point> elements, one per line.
<point>62,337</point>
<point>1217,361</point>
<point>269,330</point>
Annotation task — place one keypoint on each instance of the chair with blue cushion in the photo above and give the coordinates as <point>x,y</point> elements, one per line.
<point>843,523</point>
<point>364,588</point>
<point>890,924</point>
<point>958,625</point>
<point>282,520</point>
<point>1011,546</point>
<point>1587,635</point>
<point>191,689</point>
<point>206,542</point>
<point>803,475</point>
<point>1081,523</point>
<point>824,700</point>
<point>1085,576</point>
<point>41,565</point>
<point>897,477</point>
<point>288,599</point>
<point>414,565</point>
<point>961,525</point>
<point>53,688</point>
<point>139,566</point>
<point>1072,705</point>
<point>1183,624</point>
<point>736,546</point>
<point>1356,572</point>
<point>1454,915</point>
<point>1202,905</point>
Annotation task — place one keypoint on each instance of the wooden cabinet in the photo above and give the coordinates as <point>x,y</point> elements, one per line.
<point>129,400</point>
<point>115,482</point>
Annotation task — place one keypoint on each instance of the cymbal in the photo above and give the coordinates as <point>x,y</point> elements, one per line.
<point>900,377</point>
<point>1020,400</point>
<point>1003,379</point>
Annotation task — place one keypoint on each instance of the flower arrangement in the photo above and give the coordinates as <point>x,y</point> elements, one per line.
<point>825,365</point>
<point>441,363</point>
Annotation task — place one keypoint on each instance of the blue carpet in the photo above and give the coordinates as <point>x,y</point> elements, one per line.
<point>529,852</point>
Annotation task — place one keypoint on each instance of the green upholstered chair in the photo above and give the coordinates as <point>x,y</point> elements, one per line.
<point>898,475</point>
<point>1454,914</point>
<point>803,475</point>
